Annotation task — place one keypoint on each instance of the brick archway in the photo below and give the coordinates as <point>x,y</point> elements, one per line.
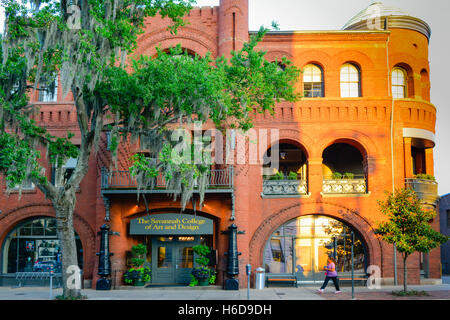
<point>350,217</point>
<point>11,219</point>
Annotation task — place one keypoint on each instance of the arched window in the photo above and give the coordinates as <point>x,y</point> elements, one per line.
<point>48,92</point>
<point>313,81</point>
<point>34,246</point>
<point>350,81</point>
<point>398,83</point>
<point>301,246</point>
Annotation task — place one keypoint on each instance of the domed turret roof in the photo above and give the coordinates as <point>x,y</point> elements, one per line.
<point>390,17</point>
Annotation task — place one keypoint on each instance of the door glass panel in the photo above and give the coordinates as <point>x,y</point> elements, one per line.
<point>186,257</point>
<point>164,257</point>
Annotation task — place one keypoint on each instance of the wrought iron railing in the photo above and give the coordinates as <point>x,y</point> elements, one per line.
<point>116,179</point>
<point>356,185</point>
<point>285,187</point>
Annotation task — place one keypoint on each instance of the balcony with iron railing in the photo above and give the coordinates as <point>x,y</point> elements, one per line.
<point>220,180</point>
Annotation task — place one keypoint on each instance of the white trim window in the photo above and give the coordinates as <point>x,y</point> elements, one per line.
<point>312,81</point>
<point>350,81</point>
<point>49,93</point>
<point>398,83</point>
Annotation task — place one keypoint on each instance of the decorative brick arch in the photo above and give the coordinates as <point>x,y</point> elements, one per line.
<point>321,58</point>
<point>299,137</point>
<point>278,55</point>
<point>360,59</point>
<point>190,38</point>
<point>358,139</point>
<point>11,219</point>
<point>336,211</point>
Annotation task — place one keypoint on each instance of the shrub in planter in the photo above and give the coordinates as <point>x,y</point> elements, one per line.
<point>137,276</point>
<point>425,177</point>
<point>349,175</point>
<point>201,275</point>
<point>292,176</point>
<point>336,175</point>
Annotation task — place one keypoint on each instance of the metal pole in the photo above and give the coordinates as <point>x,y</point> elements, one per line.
<point>51,285</point>
<point>353,268</point>
<point>248,269</point>
<point>248,287</point>
<point>395,265</point>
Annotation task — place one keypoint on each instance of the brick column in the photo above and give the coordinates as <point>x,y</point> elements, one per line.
<point>407,157</point>
<point>429,161</point>
<point>233,25</point>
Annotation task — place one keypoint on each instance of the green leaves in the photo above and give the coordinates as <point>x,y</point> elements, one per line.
<point>408,225</point>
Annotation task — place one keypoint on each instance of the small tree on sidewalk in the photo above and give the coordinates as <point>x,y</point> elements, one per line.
<point>408,226</point>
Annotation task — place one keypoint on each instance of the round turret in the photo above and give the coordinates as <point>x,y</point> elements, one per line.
<point>379,16</point>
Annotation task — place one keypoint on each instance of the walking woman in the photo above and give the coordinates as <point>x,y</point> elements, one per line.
<point>330,273</point>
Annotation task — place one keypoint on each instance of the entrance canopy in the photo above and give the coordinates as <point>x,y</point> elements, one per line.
<point>171,224</point>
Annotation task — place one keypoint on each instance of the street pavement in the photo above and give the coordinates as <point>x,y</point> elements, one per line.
<point>436,292</point>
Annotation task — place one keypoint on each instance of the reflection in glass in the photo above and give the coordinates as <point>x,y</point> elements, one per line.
<point>186,257</point>
<point>164,257</point>
<point>304,244</point>
<point>33,247</point>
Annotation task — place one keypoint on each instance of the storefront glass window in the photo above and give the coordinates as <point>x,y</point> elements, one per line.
<point>303,245</point>
<point>34,246</point>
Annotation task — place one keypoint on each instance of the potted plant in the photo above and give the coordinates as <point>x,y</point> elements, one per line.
<point>201,275</point>
<point>349,175</point>
<point>336,175</point>
<point>277,176</point>
<point>425,177</point>
<point>138,274</point>
<point>292,176</point>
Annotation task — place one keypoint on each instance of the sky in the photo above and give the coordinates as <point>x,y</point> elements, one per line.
<point>333,14</point>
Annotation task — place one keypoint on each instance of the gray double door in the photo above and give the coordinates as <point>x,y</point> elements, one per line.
<point>173,259</point>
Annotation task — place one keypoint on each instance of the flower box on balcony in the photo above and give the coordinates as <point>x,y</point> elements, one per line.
<point>344,186</point>
<point>426,190</point>
<point>285,187</point>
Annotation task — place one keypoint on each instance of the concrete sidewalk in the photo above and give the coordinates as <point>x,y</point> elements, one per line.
<point>216,293</point>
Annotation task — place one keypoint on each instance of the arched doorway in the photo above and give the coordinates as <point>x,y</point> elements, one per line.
<point>302,245</point>
<point>33,245</point>
<point>170,239</point>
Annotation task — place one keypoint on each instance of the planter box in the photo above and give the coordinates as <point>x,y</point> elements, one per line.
<point>426,190</point>
<point>344,186</point>
<point>284,187</point>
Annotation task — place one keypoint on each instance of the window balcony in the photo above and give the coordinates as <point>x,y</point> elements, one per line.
<point>285,187</point>
<point>426,190</point>
<point>356,185</point>
<point>220,180</point>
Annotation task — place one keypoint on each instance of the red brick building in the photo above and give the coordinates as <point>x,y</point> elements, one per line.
<point>364,126</point>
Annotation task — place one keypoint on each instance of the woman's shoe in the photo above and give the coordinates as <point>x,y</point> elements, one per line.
<point>320,290</point>
<point>338,292</point>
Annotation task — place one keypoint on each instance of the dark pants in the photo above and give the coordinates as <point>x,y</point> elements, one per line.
<point>335,281</point>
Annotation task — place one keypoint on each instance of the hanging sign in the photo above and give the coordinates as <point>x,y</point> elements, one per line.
<point>171,224</point>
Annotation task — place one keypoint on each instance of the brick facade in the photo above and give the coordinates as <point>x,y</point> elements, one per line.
<point>312,123</point>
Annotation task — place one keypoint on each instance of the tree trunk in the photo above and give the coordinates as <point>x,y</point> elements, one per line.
<point>71,278</point>
<point>405,274</point>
